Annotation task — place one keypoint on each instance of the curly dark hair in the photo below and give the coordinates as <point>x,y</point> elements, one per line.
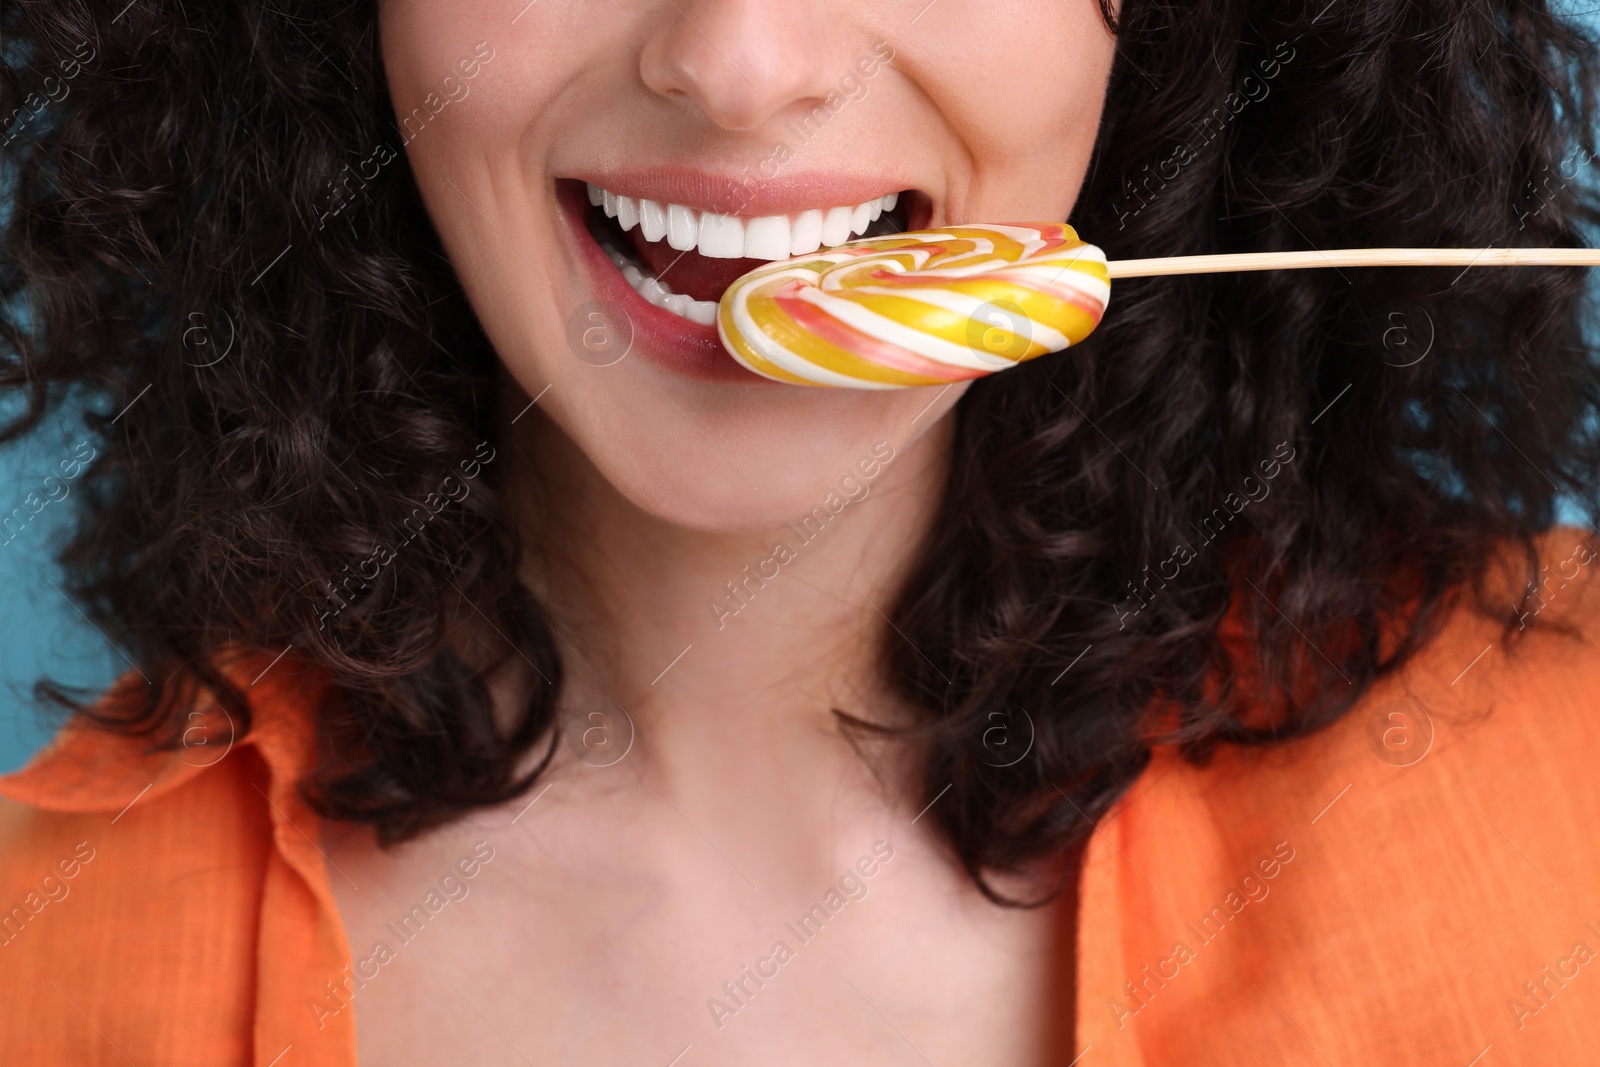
<point>230,173</point>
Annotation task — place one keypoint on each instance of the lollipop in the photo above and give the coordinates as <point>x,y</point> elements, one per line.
<point>932,307</point>
<point>920,308</point>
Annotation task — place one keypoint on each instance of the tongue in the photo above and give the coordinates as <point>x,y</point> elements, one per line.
<point>689,272</point>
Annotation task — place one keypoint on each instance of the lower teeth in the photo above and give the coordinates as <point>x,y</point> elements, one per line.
<point>702,311</point>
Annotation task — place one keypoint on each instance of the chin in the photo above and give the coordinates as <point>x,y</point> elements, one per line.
<point>750,466</point>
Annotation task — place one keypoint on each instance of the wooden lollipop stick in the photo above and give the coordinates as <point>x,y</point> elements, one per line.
<point>1356,257</point>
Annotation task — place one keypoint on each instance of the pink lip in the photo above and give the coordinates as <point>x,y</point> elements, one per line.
<point>670,341</point>
<point>749,193</point>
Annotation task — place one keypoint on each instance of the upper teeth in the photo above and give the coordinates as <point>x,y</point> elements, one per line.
<point>717,236</point>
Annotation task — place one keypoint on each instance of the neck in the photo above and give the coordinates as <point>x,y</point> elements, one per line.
<point>726,649</point>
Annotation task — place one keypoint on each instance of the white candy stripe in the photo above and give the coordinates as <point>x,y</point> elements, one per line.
<point>781,357</point>
<point>1050,274</point>
<point>967,306</point>
<point>1050,271</point>
<point>1027,236</point>
<point>923,344</point>
<point>1046,278</point>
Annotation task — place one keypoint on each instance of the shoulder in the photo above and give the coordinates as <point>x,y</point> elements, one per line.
<point>131,888</point>
<point>1418,881</point>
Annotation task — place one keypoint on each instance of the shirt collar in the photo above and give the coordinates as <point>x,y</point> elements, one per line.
<point>87,768</point>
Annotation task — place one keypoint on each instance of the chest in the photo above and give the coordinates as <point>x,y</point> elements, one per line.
<point>585,934</point>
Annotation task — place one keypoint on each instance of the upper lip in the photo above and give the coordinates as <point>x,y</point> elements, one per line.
<point>746,193</point>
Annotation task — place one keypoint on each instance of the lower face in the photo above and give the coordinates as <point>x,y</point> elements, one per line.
<point>599,172</point>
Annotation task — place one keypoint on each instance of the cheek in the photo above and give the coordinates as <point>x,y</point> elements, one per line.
<point>1028,126</point>
<point>476,160</point>
<point>422,40</point>
<point>496,82</point>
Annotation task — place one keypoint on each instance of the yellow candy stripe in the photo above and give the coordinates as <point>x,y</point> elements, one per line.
<point>922,308</point>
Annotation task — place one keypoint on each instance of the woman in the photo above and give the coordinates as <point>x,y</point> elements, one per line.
<point>516,679</point>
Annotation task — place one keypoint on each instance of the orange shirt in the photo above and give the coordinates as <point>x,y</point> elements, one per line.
<point>1420,883</point>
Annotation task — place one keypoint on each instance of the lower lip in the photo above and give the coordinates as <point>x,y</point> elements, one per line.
<point>667,340</point>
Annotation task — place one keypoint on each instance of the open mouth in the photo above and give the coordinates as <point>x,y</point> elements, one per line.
<point>681,259</point>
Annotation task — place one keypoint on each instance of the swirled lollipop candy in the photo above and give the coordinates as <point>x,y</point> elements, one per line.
<point>920,308</point>
<point>931,307</point>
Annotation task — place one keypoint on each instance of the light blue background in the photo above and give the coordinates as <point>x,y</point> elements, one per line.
<point>40,630</point>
